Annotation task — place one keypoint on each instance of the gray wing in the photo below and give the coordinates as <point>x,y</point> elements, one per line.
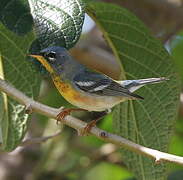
<point>100,84</point>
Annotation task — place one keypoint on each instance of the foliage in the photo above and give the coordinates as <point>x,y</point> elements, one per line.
<point>149,122</point>
<point>14,48</point>
<point>176,49</point>
<point>141,56</point>
<point>15,69</point>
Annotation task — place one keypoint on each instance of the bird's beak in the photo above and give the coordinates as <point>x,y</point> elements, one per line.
<point>38,57</point>
<point>43,61</point>
<point>34,56</point>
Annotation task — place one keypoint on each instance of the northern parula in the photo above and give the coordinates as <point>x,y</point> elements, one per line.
<point>86,88</point>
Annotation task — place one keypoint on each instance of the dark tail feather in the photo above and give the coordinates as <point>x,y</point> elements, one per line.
<point>136,96</point>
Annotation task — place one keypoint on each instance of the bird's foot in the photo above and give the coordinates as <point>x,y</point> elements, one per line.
<point>65,112</point>
<point>88,127</point>
<point>62,115</point>
<point>85,131</point>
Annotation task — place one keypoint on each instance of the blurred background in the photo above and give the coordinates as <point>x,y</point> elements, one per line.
<point>66,156</point>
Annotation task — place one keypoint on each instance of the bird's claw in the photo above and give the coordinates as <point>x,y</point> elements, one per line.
<point>65,112</point>
<point>86,130</point>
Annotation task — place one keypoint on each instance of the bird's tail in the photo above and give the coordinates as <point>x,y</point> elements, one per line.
<point>133,85</point>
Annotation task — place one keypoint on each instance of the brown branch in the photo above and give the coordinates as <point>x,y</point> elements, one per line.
<point>77,124</point>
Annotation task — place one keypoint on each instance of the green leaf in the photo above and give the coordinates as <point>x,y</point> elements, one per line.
<point>148,122</point>
<point>16,16</point>
<point>176,146</point>
<point>15,69</point>
<point>57,23</point>
<point>176,143</point>
<point>107,171</point>
<point>177,52</point>
<point>3,116</point>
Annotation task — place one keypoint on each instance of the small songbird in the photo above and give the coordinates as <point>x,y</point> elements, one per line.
<point>86,88</point>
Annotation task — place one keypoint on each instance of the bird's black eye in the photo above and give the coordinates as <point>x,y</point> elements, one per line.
<point>51,56</point>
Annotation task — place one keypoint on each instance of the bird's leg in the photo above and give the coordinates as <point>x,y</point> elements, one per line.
<point>66,112</point>
<point>91,124</point>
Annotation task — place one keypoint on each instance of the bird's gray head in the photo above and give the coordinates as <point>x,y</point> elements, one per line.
<point>53,58</point>
<point>55,55</point>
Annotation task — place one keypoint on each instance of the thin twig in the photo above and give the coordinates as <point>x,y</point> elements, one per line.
<point>38,140</point>
<point>77,124</point>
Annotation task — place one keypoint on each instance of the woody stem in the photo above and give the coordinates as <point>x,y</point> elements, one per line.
<point>77,124</point>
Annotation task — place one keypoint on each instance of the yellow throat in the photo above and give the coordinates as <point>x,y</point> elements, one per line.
<point>44,62</point>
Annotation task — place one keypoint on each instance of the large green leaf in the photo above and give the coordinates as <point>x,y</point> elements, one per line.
<point>148,122</point>
<point>176,47</point>
<point>16,16</point>
<point>57,22</point>
<point>2,116</point>
<point>17,70</point>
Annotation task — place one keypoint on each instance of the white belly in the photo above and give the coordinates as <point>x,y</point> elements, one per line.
<point>97,103</point>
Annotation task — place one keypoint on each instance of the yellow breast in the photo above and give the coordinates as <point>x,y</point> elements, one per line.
<point>70,94</point>
<point>64,88</point>
<point>84,100</point>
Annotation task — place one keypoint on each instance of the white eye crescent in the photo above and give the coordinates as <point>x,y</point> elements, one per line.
<point>51,56</point>
<point>52,59</point>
